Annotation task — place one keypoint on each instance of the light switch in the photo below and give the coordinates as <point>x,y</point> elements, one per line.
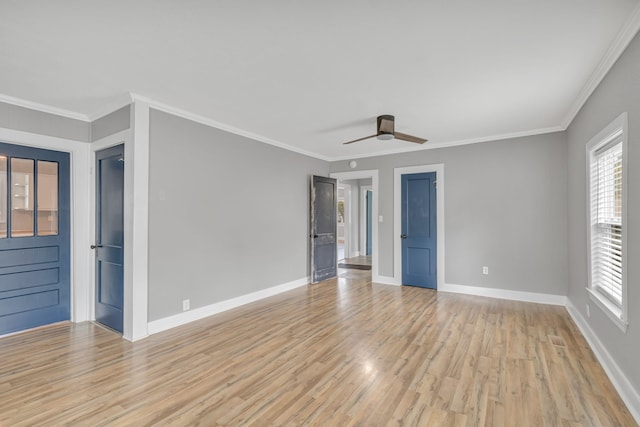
<point>380,218</point>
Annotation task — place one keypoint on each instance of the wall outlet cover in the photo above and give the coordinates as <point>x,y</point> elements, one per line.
<point>185,305</point>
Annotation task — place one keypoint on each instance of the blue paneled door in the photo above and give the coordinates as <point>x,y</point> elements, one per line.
<point>323,228</point>
<point>419,230</point>
<point>34,237</point>
<point>109,246</point>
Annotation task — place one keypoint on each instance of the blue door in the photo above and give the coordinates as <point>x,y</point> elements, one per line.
<point>34,237</point>
<point>324,225</point>
<point>109,247</point>
<point>419,230</point>
<point>369,221</point>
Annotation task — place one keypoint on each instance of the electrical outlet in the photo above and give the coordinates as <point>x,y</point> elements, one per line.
<point>485,270</point>
<point>185,305</point>
<point>588,311</point>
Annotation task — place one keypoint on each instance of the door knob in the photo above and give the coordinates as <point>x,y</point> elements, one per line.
<point>95,246</point>
<point>403,236</point>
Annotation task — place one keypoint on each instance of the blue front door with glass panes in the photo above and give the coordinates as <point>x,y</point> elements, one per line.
<point>34,237</point>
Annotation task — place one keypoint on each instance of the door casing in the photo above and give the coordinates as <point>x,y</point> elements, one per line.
<point>373,174</point>
<point>397,217</point>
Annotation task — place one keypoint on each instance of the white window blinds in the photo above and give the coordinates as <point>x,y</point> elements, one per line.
<point>606,221</point>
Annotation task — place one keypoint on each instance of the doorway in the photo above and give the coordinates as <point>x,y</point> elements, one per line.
<point>356,257</point>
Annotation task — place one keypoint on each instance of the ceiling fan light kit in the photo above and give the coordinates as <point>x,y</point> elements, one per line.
<point>386,131</point>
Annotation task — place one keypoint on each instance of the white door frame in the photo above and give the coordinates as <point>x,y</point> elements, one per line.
<point>80,256</point>
<point>397,218</point>
<point>364,174</point>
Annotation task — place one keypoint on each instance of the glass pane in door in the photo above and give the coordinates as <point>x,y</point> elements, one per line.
<point>22,197</point>
<point>47,198</point>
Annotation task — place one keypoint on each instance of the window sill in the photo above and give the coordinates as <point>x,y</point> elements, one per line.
<point>610,309</point>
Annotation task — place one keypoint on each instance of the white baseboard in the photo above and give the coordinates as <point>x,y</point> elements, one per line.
<point>209,310</point>
<point>385,280</point>
<point>625,389</point>
<point>505,294</point>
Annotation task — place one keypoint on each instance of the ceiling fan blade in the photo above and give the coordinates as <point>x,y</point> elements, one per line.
<point>410,138</point>
<point>360,139</point>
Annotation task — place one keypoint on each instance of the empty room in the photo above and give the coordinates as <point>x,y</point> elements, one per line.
<point>319,213</point>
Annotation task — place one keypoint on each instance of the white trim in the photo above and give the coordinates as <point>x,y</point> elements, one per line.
<point>615,50</point>
<point>507,294</point>
<point>623,386</point>
<point>43,108</point>
<point>386,280</point>
<point>81,256</point>
<point>122,137</point>
<point>620,123</point>
<point>613,312</point>
<point>136,226</point>
<point>434,145</point>
<point>156,105</point>
<point>209,310</point>
<point>397,218</point>
<point>363,174</point>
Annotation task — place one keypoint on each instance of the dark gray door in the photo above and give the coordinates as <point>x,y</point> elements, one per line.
<point>110,237</point>
<point>323,228</point>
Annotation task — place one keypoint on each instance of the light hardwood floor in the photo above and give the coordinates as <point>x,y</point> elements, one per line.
<point>343,352</point>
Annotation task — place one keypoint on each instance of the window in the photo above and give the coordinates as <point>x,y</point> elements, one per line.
<point>607,187</point>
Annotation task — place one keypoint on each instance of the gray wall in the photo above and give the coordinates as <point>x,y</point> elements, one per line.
<point>505,208</point>
<point>26,120</point>
<point>227,215</point>
<point>111,123</point>
<point>617,93</point>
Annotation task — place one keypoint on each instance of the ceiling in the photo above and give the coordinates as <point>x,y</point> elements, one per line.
<point>310,75</point>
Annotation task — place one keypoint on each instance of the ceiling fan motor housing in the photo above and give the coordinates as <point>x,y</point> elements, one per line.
<point>386,128</point>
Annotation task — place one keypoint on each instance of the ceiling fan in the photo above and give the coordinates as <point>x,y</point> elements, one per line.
<point>386,130</point>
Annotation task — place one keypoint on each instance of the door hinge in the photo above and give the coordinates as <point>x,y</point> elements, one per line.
<point>435,183</point>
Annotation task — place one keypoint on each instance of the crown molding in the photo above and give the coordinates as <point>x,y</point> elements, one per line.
<point>156,105</point>
<point>615,50</point>
<point>433,146</point>
<point>43,108</point>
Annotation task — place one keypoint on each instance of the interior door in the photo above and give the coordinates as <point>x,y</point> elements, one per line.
<point>323,228</point>
<point>109,246</point>
<point>34,237</point>
<point>419,230</point>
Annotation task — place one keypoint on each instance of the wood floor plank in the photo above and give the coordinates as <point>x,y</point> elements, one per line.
<point>342,352</point>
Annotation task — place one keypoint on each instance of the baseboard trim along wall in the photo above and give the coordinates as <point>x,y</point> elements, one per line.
<point>200,313</point>
<point>627,392</point>
<point>534,297</point>
<point>385,280</point>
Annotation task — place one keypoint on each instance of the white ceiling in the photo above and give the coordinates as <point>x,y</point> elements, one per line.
<point>311,75</point>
